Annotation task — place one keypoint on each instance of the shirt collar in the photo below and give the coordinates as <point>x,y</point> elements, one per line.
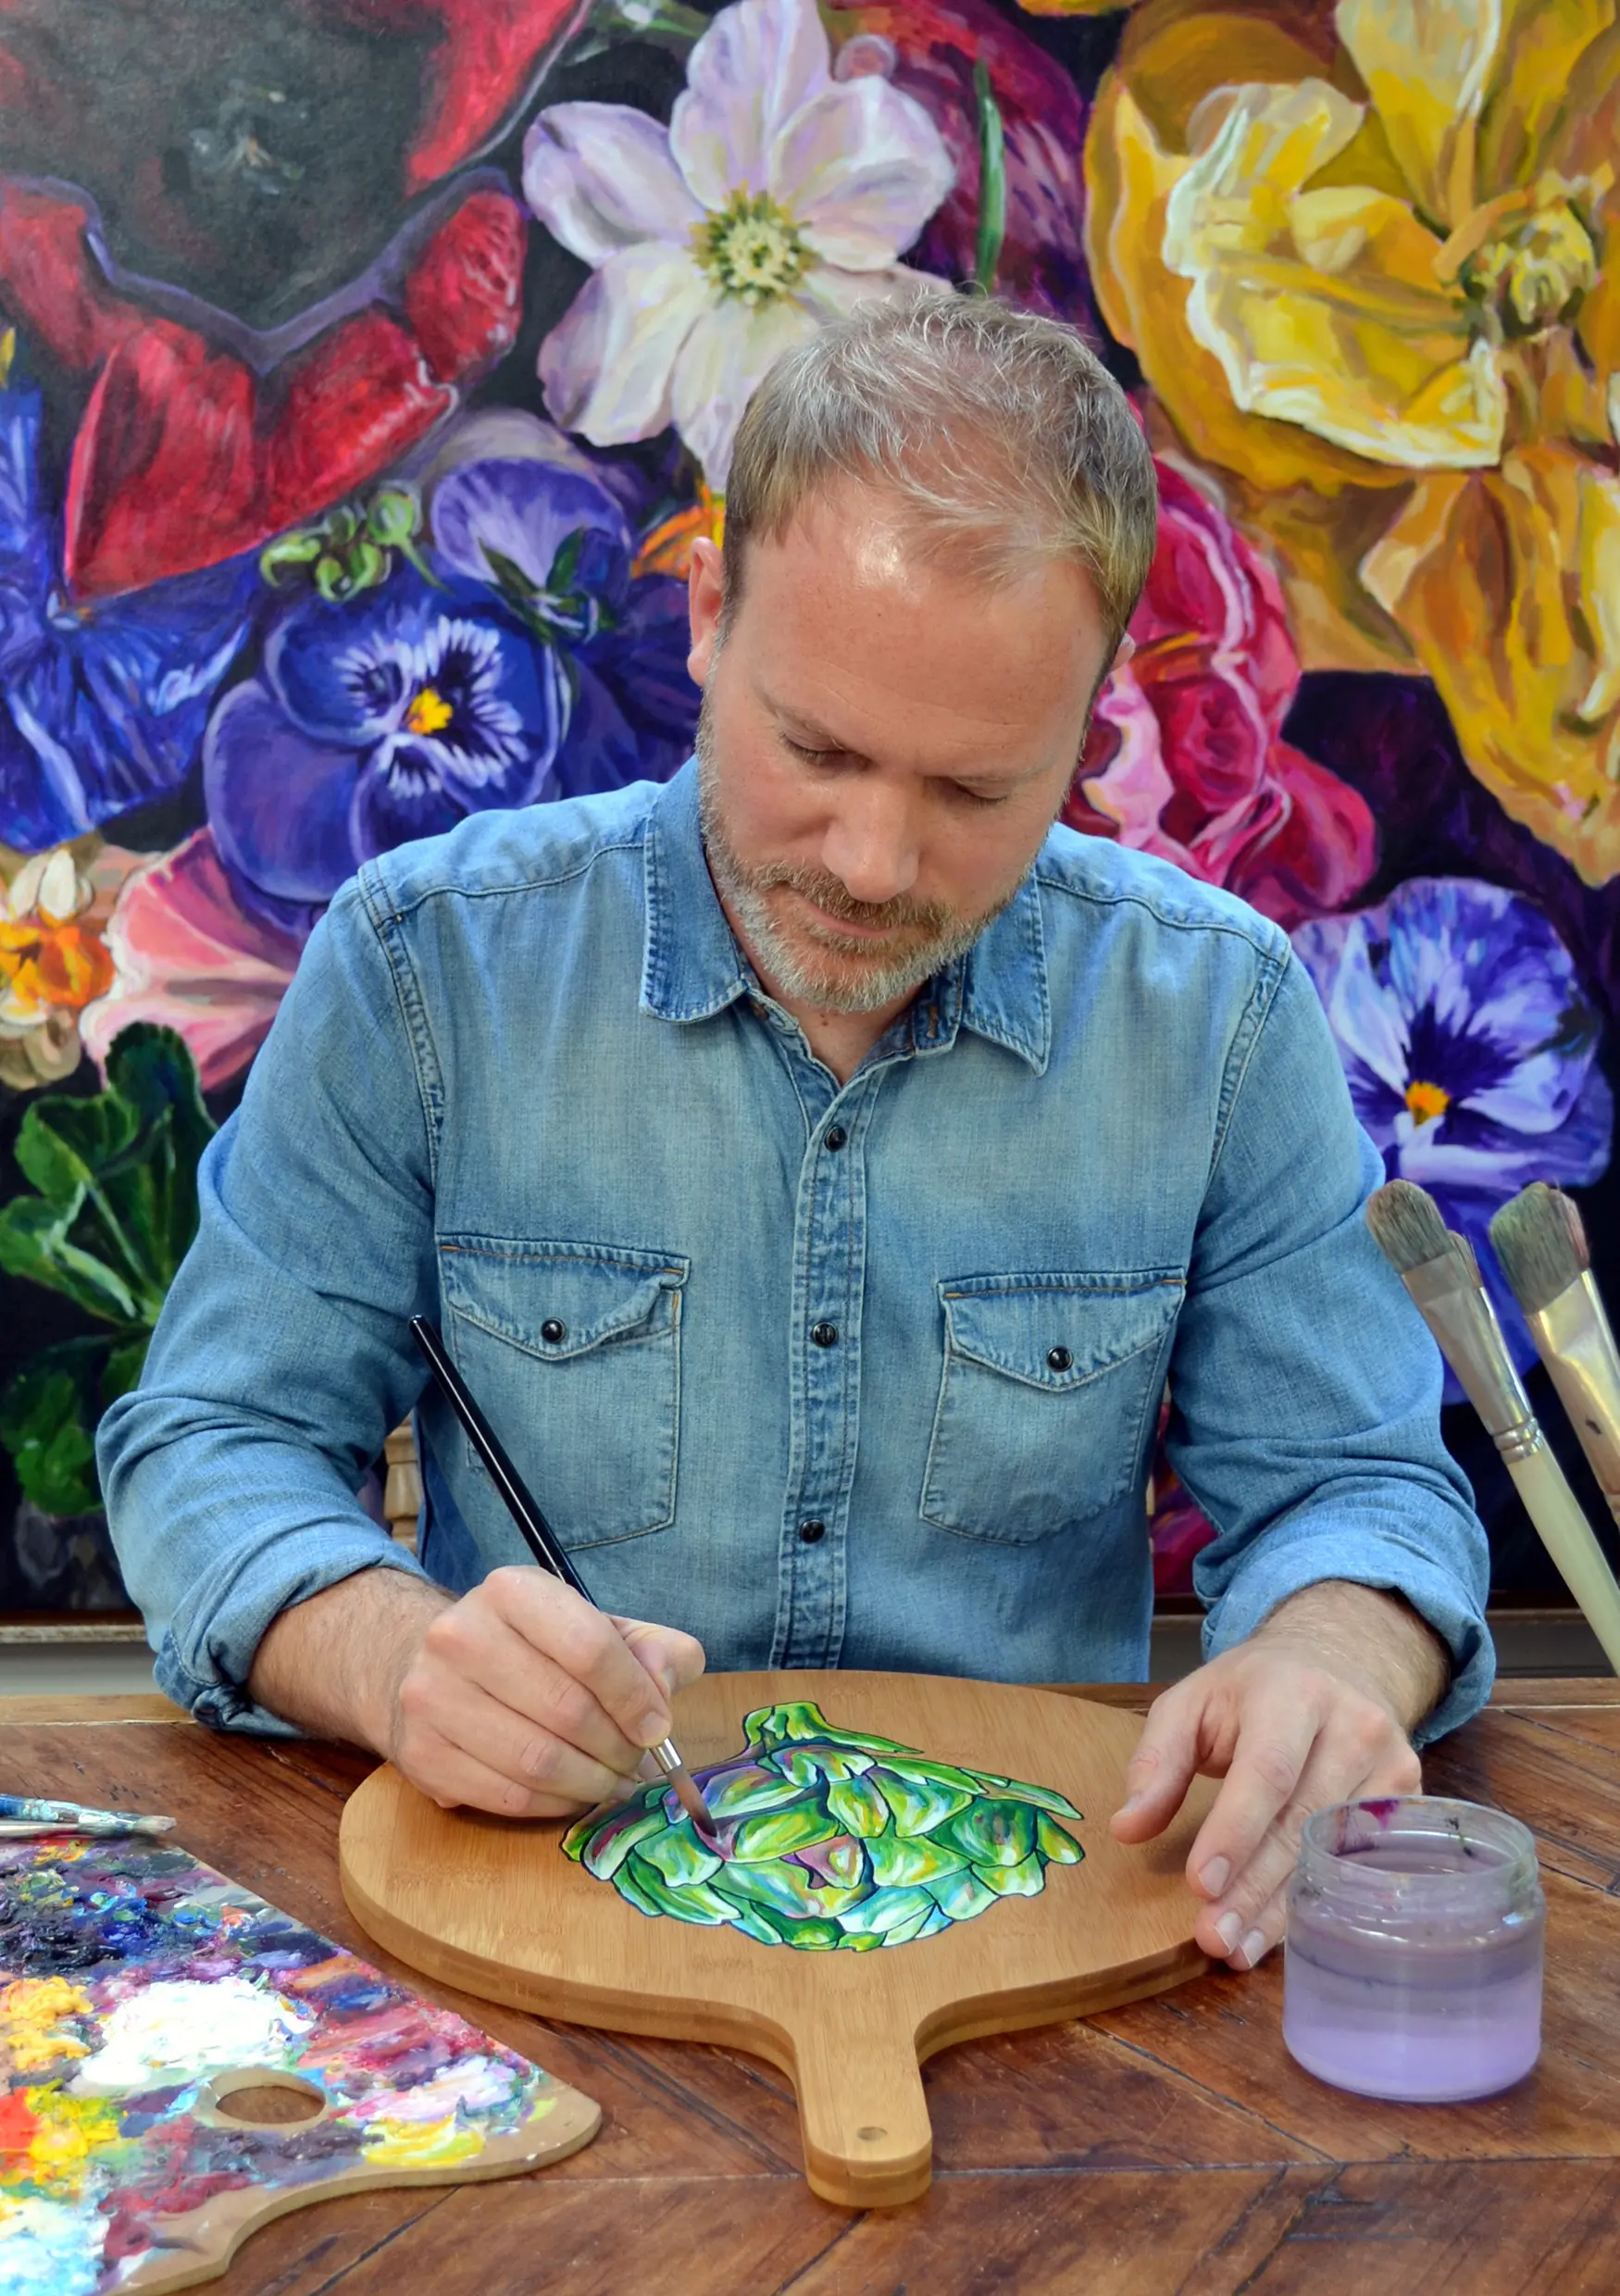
<point>693,968</point>
<point>1004,994</point>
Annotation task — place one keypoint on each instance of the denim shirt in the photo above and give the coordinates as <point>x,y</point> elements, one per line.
<point>829,1375</point>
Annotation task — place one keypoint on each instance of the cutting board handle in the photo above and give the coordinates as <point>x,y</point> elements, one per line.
<point>862,2113</point>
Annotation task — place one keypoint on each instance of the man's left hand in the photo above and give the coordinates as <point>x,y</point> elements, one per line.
<point>1314,1708</point>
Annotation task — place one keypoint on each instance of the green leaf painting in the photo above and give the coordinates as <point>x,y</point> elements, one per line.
<point>826,1839</point>
<point>114,1211</point>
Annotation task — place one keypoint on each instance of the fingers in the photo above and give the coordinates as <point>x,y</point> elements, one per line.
<point>1359,1753</point>
<point>1166,1762</point>
<point>480,1650</point>
<point>587,1649</point>
<point>517,1767</point>
<point>1254,1935</point>
<point>1277,1730</point>
<point>525,1700</point>
<point>455,1780</point>
<point>671,1658</point>
<point>1289,1737</point>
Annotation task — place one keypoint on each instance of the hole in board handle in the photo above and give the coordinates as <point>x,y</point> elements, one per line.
<point>256,2096</point>
<point>870,2135</point>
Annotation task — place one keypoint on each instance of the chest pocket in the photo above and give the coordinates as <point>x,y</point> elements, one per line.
<point>1048,1393</point>
<point>573,1352</point>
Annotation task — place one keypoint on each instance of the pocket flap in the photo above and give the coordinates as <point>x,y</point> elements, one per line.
<point>557,1300</point>
<point>1027,1326</point>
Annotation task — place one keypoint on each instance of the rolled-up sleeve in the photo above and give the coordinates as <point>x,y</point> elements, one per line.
<point>1304,1386</point>
<point>282,1354</point>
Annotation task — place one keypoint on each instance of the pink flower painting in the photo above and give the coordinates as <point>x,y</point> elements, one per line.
<point>187,956</point>
<point>1186,757</point>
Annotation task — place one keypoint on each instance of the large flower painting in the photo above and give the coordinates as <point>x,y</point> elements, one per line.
<point>364,387</point>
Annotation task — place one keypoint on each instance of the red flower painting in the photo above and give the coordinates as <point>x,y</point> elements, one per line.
<point>1186,757</point>
<point>197,442</point>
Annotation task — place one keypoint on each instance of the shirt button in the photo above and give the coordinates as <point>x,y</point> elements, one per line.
<point>836,1138</point>
<point>1059,1358</point>
<point>812,1531</point>
<point>823,1334</point>
<point>552,1332</point>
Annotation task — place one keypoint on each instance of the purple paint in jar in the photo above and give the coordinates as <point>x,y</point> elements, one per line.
<point>1413,1966</point>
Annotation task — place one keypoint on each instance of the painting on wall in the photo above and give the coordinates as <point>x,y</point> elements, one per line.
<point>367,369</point>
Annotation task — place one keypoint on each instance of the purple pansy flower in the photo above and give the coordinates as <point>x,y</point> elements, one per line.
<point>527,665</point>
<point>102,706</point>
<point>1470,1051</point>
<point>529,514</point>
<point>372,724</point>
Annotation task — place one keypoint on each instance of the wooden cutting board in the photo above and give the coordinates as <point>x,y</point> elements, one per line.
<point>180,2063</point>
<point>981,1926</point>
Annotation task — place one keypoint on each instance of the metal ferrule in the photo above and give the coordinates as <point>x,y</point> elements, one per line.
<point>1577,1348</point>
<point>1521,1442</point>
<point>1458,1311</point>
<point>665,1755</point>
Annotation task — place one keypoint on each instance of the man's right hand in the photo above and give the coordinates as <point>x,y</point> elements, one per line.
<point>523,1699</point>
<point>520,1699</point>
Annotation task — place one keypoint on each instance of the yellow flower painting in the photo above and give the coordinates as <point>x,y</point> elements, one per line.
<point>1360,252</point>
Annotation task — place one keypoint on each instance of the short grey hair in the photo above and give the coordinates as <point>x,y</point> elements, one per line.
<point>1002,433</point>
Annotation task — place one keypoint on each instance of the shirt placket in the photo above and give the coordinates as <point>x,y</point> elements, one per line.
<point>824,1359</point>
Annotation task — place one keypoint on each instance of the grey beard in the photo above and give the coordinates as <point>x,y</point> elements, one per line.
<point>795,973</point>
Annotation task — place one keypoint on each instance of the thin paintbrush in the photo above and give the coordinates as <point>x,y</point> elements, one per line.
<point>21,1814</point>
<point>1440,1271</point>
<point>1541,1243</point>
<point>537,1532</point>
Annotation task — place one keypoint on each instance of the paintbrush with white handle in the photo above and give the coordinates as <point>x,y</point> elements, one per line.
<point>1541,1243</point>
<point>1440,1271</point>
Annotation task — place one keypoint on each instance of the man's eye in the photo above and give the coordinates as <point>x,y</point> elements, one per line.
<point>817,756</point>
<point>978,797</point>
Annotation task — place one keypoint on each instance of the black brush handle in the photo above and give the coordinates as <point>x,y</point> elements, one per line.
<point>537,1534</point>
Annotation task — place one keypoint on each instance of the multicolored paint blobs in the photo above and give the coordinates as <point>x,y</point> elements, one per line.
<point>147,1975</point>
<point>828,1839</point>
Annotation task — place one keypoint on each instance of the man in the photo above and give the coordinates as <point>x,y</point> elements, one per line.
<point>819,1165</point>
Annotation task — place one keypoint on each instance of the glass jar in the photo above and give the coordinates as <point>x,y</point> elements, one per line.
<point>1413,1966</point>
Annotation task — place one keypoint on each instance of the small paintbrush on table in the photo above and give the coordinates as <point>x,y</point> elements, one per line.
<point>537,1532</point>
<point>22,1816</point>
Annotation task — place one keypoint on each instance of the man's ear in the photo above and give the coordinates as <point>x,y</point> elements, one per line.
<point>705,595</point>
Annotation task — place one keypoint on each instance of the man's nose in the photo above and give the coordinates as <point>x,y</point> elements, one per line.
<point>872,841</point>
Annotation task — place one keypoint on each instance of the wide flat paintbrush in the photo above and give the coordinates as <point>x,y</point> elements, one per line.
<point>1541,1243</point>
<point>1440,1271</point>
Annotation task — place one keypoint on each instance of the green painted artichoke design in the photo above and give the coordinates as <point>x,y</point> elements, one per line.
<point>826,1837</point>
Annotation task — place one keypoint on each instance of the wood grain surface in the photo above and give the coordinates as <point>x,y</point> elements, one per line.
<point>1166,2146</point>
<point>495,1907</point>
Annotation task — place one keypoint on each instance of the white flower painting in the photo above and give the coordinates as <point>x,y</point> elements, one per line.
<point>777,197</point>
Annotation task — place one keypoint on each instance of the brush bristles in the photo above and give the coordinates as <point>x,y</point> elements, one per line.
<point>691,1800</point>
<point>1467,1255</point>
<point>1407,1225</point>
<point>1541,1243</point>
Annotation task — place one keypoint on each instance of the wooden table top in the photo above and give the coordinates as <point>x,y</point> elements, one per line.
<point>1169,2145</point>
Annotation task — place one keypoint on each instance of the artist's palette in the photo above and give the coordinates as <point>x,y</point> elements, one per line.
<point>899,1862</point>
<point>183,2063</point>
